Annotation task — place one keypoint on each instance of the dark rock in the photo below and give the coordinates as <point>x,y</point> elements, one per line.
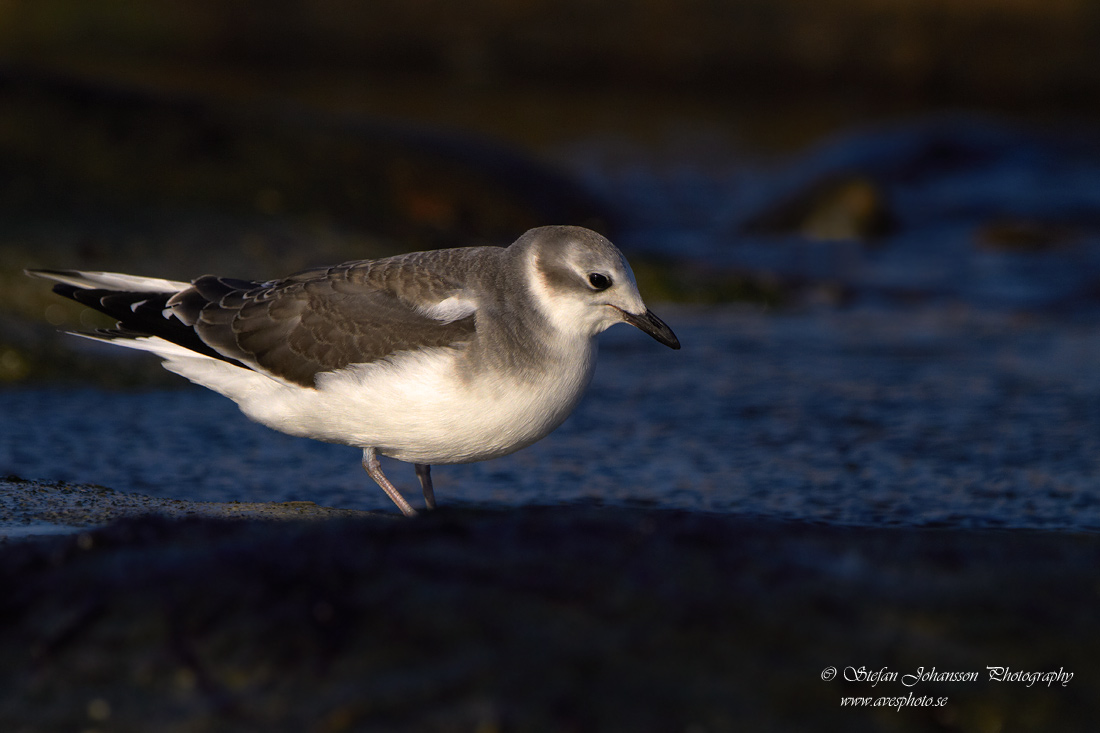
<point>847,207</point>
<point>566,618</point>
<point>1024,235</point>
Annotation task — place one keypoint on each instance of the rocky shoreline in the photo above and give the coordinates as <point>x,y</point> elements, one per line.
<point>539,618</point>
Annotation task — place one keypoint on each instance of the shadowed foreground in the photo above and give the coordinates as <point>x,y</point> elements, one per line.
<point>565,618</point>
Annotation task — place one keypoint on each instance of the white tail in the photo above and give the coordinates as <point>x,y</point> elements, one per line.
<point>111,281</point>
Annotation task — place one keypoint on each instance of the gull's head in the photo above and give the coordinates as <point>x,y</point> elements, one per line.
<point>583,285</point>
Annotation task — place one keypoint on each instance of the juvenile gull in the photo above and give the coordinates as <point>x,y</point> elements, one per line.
<point>449,356</point>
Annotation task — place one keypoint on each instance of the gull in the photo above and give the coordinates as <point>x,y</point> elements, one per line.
<point>439,357</point>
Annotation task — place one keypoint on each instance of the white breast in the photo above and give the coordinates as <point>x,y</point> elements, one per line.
<point>416,408</point>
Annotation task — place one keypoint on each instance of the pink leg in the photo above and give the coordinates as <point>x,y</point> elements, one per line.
<point>374,470</point>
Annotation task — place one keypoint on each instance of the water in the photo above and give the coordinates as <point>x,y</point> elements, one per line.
<point>929,417</point>
<point>972,211</point>
<point>957,386</point>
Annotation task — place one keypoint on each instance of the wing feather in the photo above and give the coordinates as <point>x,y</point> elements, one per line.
<point>327,319</point>
<point>312,322</point>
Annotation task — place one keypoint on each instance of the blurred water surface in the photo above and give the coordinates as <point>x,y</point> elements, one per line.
<point>943,209</point>
<point>938,417</point>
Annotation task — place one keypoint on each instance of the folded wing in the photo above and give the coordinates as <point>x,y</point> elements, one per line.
<point>293,329</point>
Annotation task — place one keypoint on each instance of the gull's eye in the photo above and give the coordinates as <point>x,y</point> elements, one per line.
<point>599,281</point>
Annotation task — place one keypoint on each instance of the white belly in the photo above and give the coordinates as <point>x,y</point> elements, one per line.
<point>416,407</point>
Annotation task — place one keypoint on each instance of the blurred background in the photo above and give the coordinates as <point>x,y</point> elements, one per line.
<point>925,149</point>
<point>774,151</point>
